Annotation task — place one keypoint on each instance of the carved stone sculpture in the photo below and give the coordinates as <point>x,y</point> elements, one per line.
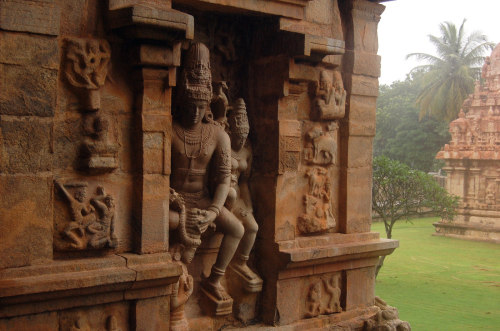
<point>314,300</point>
<point>387,318</point>
<point>86,67</point>
<point>321,146</point>
<point>196,144</point>
<point>318,214</point>
<point>92,222</point>
<point>239,200</point>
<point>323,297</point>
<point>330,96</point>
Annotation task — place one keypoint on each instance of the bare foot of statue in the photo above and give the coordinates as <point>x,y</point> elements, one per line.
<point>252,281</point>
<point>215,289</point>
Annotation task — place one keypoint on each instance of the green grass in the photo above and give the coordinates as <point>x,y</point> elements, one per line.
<point>440,283</point>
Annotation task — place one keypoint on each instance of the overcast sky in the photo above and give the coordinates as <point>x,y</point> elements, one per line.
<point>405,25</point>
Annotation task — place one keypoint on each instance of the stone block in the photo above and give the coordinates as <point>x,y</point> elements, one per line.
<point>154,214</point>
<point>153,152</point>
<point>27,90</point>
<point>104,317</point>
<point>25,220</point>
<point>30,16</point>
<point>359,151</point>
<point>29,50</point>
<point>151,314</point>
<point>358,200</point>
<point>363,85</point>
<point>26,146</point>
<point>360,288</point>
<point>39,322</point>
<point>362,115</point>
<point>363,63</point>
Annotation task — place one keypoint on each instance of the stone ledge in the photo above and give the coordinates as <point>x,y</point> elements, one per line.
<point>138,16</point>
<point>329,252</point>
<point>72,283</point>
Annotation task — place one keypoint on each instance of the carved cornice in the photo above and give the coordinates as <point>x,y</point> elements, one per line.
<point>150,23</point>
<point>73,283</point>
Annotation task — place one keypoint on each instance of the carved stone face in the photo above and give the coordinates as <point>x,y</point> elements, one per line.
<point>238,140</point>
<point>81,194</point>
<point>194,111</point>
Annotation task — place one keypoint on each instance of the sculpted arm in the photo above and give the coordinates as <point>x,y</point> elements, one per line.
<point>243,183</point>
<point>223,169</point>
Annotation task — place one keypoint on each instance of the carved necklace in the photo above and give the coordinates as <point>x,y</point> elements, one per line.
<point>191,138</point>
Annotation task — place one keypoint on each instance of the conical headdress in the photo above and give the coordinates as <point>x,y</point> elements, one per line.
<point>238,119</point>
<point>196,76</point>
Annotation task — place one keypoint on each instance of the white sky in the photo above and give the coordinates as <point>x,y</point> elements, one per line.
<point>405,25</point>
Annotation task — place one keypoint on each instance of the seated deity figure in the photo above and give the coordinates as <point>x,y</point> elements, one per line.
<point>201,154</point>
<point>239,201</point>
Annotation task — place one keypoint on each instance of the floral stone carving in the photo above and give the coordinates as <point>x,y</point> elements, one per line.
<point>86,67</point>
<point>330,96</point>
<point>92,221</point>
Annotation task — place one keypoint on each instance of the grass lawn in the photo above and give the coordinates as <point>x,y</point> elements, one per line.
<point>440,283</point>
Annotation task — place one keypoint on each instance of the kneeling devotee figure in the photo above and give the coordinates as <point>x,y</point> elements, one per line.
<point>201,155</point>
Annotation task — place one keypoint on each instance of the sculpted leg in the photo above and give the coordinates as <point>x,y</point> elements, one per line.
<point>252,281</point>
<point>233,231</point>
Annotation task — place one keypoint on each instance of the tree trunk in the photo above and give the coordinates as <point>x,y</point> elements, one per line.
<point>379,265</point>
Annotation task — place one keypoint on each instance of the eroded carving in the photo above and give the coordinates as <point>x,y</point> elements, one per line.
<point>330,96</point>
<point>318,214</point>
<point>92,221</point>
<point>197,144</point>
<point>239,201</point>
<point>86,67</point>
<point>321,146</point>
<point>387,318</point>
<point>323,297</point>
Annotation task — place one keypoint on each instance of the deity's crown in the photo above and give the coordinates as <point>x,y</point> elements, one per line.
<point>196,78</point>
<point>238,120</point>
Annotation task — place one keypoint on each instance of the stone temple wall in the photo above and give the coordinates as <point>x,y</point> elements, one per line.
<point>472,160</point>
<point>93,97</point>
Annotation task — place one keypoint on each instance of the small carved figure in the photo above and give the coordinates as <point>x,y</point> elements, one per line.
<point>196,144</point>
<point>87,227</point>
<point>81,324</point>
<point>103,229</point>
<point>324,145</point>
<point>313,303</point>
<point>318,214</point>
<point>387,318</point>
<point>81,213</point>
<point>330,97</point>
<point>180,294</point>
<point>332,288</point>
<point>239,201</point>
<point>490,193</point>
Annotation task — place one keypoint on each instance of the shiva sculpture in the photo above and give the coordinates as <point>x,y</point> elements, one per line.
<point>201,174</point>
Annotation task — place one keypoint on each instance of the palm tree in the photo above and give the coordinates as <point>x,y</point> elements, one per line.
<point>449,77</point>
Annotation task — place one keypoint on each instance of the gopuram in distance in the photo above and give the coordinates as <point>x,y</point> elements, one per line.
<point>472,160</point>
<point>189,165</point>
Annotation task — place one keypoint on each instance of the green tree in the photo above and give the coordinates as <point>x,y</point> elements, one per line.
<point>399,192</point>
<point>450,75</point>
<point>400,134</point>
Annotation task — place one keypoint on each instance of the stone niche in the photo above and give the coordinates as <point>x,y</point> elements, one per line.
<point>100,232</point>
<point>472,160</point>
